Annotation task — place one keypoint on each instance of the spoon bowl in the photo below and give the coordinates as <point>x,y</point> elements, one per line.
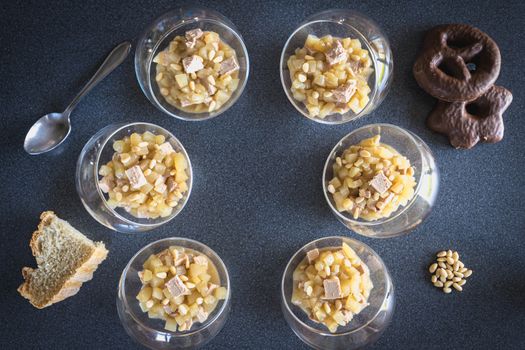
<point>47,133</point>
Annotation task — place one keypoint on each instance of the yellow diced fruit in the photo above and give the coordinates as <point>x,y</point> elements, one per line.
<point>220,293</point>
<point>182,80</point>
<point>354,104</point>
<point>192,298</point>
<point>171,325</point>
<point>331,324</point>
<point>205,277</point>
<point>147,275</point>
<point>202,288</point>
<point>148,136</point>
<point>152,262</point>
<point>345,287</point>
<point>144,294</point>
<point>180,162</point>
<point>339,318</point>
<point>162,268</point>
<point>335,182</point>
<point>156,311</point>
<point>180,320</point>
<point>211,37</point>
<point>196,270</point>
<point>181,176</point>
<point>349,252</point>
<point>156,282</point>
<point>194,309</point>
<point>135,139</point>
<point>182,186</point>
<point>143,307</point>
<point>157,293</point>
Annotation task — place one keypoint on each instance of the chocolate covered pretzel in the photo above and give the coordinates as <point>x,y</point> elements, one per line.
<point>467,123</point>
<point>458,63</point>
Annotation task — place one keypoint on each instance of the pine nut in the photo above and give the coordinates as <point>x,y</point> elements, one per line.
<point>467,273</point>
<point>442,265</point>
<point>457,287</point>
<point>438,284</point>
<point>450,261</point>
<point>433,268</point>
<point>462,282</point>
<point>458,274</point>
<point>455,256</point>
<point>449,253</point>
<point>441,259</point>
<point>305,67</point>
<point>456,279</point>
<point>447,290</point>
<point>442,254</point>
<point>448,284</point>
<point>433,279</point>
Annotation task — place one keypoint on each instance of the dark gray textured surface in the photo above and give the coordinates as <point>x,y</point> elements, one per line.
<point>257,196</point>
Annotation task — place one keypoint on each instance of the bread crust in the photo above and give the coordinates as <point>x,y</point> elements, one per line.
<point>72,285</point>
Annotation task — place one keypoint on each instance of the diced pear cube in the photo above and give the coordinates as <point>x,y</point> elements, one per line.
<point>144,294</point>
<point>220,293</point>
<point>182,80</point>
<point>171,325</point>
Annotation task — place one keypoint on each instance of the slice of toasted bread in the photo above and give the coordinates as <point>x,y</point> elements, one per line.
<point>65,258</point>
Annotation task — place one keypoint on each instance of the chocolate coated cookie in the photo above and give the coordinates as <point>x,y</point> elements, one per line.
<point>467,123</point>
<point>458,63</point>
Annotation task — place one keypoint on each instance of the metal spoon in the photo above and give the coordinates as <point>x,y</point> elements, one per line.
<point>52,129</point>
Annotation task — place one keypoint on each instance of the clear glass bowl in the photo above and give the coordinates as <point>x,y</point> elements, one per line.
<point>157,37</point>
<point>98,151</point>
<point>151,332</point>
<point>426,174</point>
<point>366,327</point>
<point>343,23</point>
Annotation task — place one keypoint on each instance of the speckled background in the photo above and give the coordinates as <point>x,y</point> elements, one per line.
<point>257,196</point>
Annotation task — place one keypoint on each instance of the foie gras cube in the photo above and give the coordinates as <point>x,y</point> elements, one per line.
<point>380,183</point>
<point>192,64</point>
<point>136,177</point>
<point>336,54</point>
<point>332,288</point>
<point>228,66</point>
<point>344,92</point>
<point>312,255</point>
<point>176,287</point>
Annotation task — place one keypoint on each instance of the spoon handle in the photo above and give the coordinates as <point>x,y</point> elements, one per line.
<point>114,59</point>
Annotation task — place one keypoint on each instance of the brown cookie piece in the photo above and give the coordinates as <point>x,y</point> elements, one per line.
<point>467,123</point>
<point>458,63</point>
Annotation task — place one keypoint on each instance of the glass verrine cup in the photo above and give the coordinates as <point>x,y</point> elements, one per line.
<point>426,173</point>
<point>150,332</point>
<point>365,327</point>
<point>342,24</point>
<point>157,37</point>
<point>98,151</point>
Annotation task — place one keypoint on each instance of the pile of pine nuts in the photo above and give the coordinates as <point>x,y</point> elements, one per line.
<point>449,272</point>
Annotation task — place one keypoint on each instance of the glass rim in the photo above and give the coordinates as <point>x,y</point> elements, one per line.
<point>119,216</point>
<point>223,22</point>
<point>410,136</point>
<point>312,20</point>
<point>327,333</point>
<point>178,334</point>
